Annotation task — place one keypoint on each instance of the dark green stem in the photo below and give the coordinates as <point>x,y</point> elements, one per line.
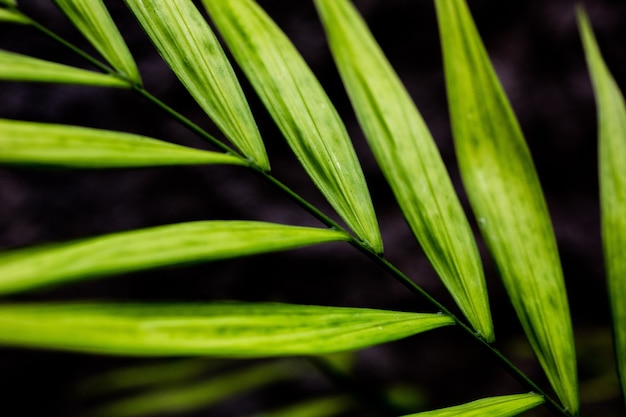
<point>93,61</point>
<point>383,263</point>
<point>189,124</point>
<point>513,370</point>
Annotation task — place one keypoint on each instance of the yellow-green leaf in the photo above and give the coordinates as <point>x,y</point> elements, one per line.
<point>182,243</point>
<point>506,197</point>
<point>17,67</point>
<point>300,108</point>
<point>502,406</point>
<point>198,394</point>
<point>612,158</point>
<point>409,158</point>
<point>93,20</point>
<point>13,16</point>
<point>79,147</point>
<point>188,45</point>
<point>244,330</point>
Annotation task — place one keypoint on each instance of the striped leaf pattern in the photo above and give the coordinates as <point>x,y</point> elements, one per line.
<point>506,197</point>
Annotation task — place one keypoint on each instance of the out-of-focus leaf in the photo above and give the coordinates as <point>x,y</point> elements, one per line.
<point>612,157</point>
<point>246,330</point>
<point>301,109</point>
<point>506,197</point>
<point>188,45</point>
<point>147,376</point>
<point>79,147</point>
<point>93,20</point>
<point>182,243</point>
<point>503,406</point>
<point>13,16</point>
<point>198,395</point>
<point>404,396</point>
<point>409,158</point>
<point>319,407</point>
<point>17,67</point>
<point>12,3</point>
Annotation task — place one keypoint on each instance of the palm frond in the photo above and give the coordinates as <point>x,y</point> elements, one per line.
<point>506,197</point>
<point>192,242</point>
<point>93,20</point>
<point>188,45</point>
<point>409,158</point>
<point>301,109</point>
<point>612,154</point>
<point>28,143</point>
<point>235,330</point>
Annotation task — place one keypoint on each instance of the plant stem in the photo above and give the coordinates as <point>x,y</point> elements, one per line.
<point>383,263</point>
<point>513,370</point>
<point>93,61</point>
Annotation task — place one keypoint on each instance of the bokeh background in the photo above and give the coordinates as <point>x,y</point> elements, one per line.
<point>536,50</point>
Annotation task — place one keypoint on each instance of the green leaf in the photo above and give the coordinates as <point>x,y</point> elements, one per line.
<point>149,376</point>
<point>506,197</point>
<point>192,242</point>
<point>503,406</point>
<point>17,67</point>
<point>409,158</point>
<point>79,147</point>
<point>301,109</point>
<point>198,394</point>
<point>188,45</point>
<point>612,154</point>
<point>11,3</point>
<point>93,20</point>
<point>13,16</point>
<point>243,330</point>
<point>319,407</point>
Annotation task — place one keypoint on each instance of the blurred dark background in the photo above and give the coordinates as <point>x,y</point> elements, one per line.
<point>536,50</point>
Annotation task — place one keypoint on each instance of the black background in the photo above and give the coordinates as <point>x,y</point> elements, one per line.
<point>536,50</point>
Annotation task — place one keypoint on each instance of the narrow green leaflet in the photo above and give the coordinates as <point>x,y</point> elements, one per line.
<point>612,155</point>
<point>11,3</point>
<point>198,395</point>
<point>301,109</point>
<point>93,20</point>
<point>192,242</point>
<point>409,159</point>
<point>243,330</point>
<point>506,197</point>
<point>503,406</point>
<point>188,45</point>
<point>13,16</point>
<point>17,67</point>
<point>79,147</point>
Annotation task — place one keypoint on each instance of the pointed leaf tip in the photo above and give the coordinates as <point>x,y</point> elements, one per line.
<point>51,145</point>
<point>502,406</point>
<point>18,67</point>
<point>409,159</point>
<point>93,20</point>
<point>505,194</point>
<point>186,42</point>
<point>242,330</point>
<point>136,250</point>
<point>301,109</point>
